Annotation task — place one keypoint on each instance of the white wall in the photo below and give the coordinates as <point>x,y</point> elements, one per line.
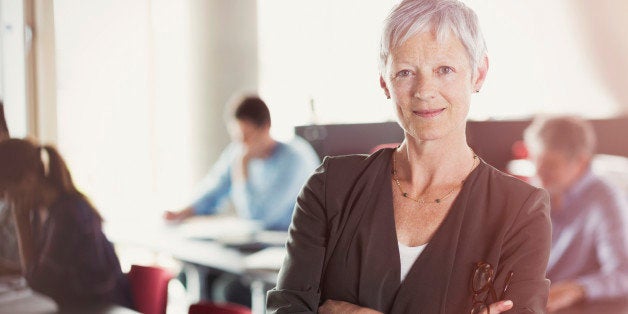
<point>141,86</point>
<point>539,61</point>
<point>103,109</point>
<point>14,66</point>
<point>325,51</point>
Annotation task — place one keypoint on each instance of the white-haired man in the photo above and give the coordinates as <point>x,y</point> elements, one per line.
<point>589,255</point>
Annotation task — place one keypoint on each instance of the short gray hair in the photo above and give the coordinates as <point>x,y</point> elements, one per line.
<point>412,17</point>
<point>570,135</point>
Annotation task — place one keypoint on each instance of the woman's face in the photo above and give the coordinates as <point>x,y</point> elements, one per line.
<point>246,132</point>
<point>430,83</point>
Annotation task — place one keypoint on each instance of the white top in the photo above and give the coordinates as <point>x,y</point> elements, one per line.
<point>408,254</point>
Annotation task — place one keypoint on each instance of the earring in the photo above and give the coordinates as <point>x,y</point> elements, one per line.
<point>477,90</point>
<point>387,96</point>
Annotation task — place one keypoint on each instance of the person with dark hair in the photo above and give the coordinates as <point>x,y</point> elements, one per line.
<point>9,254</point>
<point>261,176</point>
<point>251,109</point>
<point>428,226</point>
<point>63,250</point>
<point>589,255</point>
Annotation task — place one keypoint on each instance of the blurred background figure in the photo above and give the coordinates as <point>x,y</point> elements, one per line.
<point>261,176</point>
<point>64,253</point>
<point>589,257</point>
<point>9,255</point>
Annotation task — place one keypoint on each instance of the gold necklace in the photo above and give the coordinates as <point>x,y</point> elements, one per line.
<point>422,201</point>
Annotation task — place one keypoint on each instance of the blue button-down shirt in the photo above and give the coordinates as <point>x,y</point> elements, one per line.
<point>590,239</point>
<point>271,189</point>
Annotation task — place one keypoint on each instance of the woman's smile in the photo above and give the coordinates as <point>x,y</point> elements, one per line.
<point>428,113</point>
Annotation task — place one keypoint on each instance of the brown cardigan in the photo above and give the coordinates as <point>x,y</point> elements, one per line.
<point>343,244</point>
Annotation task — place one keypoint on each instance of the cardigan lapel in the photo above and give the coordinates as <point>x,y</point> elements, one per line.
<point>360,240</point>
<point>428,279</point>
<point>382,243</point>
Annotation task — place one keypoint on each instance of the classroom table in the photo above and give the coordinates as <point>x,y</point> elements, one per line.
<point>207,244</point>
<point>24,300</point>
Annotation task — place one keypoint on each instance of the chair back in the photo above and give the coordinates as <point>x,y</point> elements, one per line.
<point>218,308</point>
<point>149,288</point>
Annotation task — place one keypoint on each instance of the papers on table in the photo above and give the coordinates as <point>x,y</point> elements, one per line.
<point>267,259</point>
<point>13,287</point>
<point>272,238</point>
<point>222,242</point>
<point>233,232</point>
<point>224,229</point>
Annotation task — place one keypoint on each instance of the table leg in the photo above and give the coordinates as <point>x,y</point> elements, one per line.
<point>258,294</point>
<point>196,285</point>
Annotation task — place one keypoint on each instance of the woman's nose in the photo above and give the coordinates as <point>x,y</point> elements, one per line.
<point>424,88</point>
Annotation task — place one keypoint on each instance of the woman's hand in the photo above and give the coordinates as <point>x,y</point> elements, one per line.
<point>333,306</point>
<point>564,294</point>
<point>498,307</point>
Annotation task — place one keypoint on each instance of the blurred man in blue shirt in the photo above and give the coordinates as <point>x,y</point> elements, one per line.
<point>589,256</point>
<point>260,175</point>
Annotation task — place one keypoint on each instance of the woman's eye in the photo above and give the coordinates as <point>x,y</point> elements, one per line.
<point>445,70</point>
<point>403,73</point>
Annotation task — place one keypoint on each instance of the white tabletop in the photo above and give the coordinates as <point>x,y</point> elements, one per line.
<point>210,242</point>
<point>26,301</point>
<point>204,241</point>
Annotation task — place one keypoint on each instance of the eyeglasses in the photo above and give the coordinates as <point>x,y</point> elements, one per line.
<point>482,284</point>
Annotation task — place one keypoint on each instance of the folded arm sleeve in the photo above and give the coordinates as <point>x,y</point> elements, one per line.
<point>526,252</point>
<point>298,284</point>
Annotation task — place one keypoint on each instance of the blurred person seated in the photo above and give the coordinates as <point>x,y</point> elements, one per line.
<point>9,254</point>
<point>64,253</point>
<point>589,255</point>
<point>261,176</point>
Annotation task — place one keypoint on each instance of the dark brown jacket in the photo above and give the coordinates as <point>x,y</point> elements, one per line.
<point>343,243</point>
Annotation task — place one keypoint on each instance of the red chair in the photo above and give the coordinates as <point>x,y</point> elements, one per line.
<point>149,288</point>
<point>218,308</point>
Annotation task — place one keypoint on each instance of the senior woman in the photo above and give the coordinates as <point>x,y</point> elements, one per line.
<point>427,227</point>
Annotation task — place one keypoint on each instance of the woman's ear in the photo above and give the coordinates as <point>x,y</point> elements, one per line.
<point>382,84</point>
<point>480,74</point>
